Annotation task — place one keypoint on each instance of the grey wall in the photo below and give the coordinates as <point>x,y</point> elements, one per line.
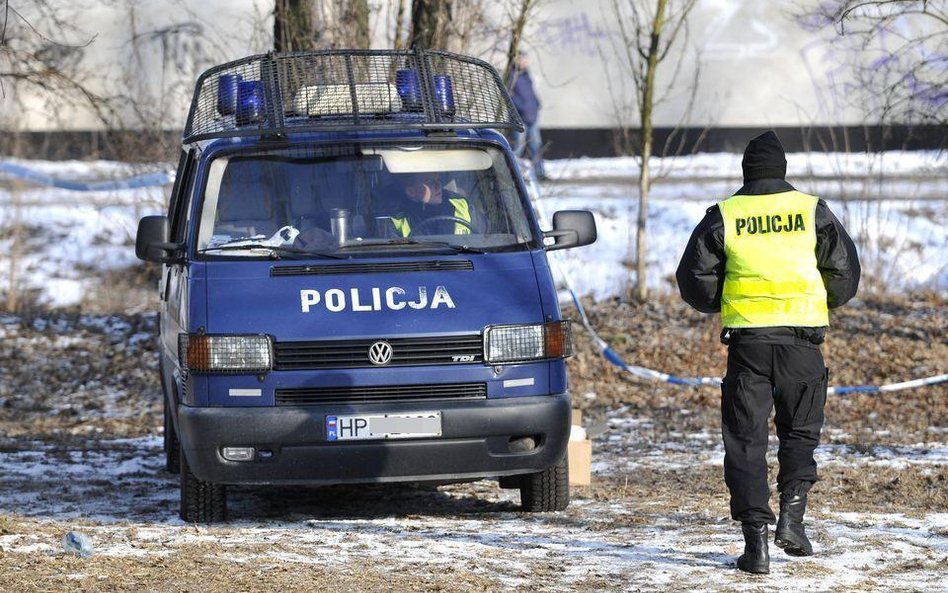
<point>757,67</point>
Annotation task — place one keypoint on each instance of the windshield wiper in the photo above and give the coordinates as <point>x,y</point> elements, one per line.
<point>412,243</point>
<point>275,251</point>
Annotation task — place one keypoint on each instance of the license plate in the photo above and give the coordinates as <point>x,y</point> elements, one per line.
<point>383,426</point>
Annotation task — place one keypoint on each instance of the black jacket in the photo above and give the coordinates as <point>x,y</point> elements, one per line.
<point>701,269</point>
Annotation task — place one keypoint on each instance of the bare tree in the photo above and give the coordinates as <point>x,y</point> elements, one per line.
<point>320,24</point>
<point>152,81</point>
<point>41,51</point>
<point>523,14</point>
<point>897,51</point>
<point>649,29</point>
<point>399,40</point>
<point>430,23</point>
<point>895,54</point>
<point>476,27</point>
<point>292,25</point>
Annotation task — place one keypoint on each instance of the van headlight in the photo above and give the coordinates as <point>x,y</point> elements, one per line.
<point>203,353</point>
<point>521,343</point>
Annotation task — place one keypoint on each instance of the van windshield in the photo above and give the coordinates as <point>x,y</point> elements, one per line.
<point>362,199</point>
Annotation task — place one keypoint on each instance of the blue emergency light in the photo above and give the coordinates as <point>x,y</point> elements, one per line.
<point>250,102</point>
<point>444,93</point>
<point>408,86</point>
<point>227,93</point>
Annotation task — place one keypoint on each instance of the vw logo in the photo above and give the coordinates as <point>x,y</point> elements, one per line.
<point>380,353</point>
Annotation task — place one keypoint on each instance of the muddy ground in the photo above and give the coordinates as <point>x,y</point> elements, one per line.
<point>80,448</point>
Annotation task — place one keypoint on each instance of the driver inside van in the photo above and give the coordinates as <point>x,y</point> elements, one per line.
<point>423,205</point>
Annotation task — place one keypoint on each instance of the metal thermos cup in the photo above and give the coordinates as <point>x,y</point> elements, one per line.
<point>340,224</point>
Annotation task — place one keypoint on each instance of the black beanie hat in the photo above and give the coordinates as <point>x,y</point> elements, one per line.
<point>764,158</point>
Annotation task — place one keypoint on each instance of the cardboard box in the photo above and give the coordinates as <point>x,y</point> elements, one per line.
<point>579,453</point>
<point>580,462</point>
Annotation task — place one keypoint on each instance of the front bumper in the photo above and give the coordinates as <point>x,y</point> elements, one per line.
<point>475,442</point>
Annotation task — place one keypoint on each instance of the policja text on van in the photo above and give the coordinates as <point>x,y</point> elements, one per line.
<point>335,299</point>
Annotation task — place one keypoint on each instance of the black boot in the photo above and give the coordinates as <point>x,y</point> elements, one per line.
<point>790,534</point>
<point>755,558</point>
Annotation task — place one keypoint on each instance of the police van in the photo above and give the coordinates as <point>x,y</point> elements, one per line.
<point>355,287</point>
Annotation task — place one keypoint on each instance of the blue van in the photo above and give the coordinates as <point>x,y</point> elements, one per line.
<point>354,286</point>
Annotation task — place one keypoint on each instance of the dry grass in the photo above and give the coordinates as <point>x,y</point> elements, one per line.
<point>203,568</point>
<point>912,490</point>
<point>870,343</point>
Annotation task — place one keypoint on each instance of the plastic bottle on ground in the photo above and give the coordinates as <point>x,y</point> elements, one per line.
<point>78,543</point>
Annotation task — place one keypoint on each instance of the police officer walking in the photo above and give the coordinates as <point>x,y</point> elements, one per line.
<point>772,260</point>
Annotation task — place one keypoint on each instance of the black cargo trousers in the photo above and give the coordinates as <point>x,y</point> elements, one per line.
<point>771,368</point>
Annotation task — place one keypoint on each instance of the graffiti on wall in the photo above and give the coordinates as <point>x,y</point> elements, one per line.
<point>574,34</point>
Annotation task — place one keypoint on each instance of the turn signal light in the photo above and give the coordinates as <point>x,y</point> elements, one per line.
<point>203,353</point>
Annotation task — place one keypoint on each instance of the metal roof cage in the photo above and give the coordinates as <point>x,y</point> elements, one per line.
<point>346,90</point>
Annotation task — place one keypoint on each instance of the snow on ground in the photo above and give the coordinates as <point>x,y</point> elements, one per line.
<point>118,493</point>
<point>892,204</point>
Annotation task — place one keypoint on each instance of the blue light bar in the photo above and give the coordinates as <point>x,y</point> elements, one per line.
<point>250,102</point>
<point>444,93</point>
<point>409,89</point>
<point>348,90</point>
<point>227,93</point>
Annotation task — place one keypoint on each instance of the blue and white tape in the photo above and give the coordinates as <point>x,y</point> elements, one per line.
<point>612,356</point>
<point>27,174</point>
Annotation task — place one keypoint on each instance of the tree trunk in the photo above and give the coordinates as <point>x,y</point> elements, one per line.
<point>399,24</point>
<point>324,24</point>
<point>359,17</point>
<point>648,98</point>
<point>641,279</point>
<point>292,25</point>
<point>429,23</point>
<point>517,34</point>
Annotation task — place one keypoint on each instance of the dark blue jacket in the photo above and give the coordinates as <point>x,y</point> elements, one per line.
<point>523,96</point>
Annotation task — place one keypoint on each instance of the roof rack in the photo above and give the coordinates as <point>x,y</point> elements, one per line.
<point>348,90</point>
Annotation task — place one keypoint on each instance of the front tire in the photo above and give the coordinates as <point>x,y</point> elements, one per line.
<point>201,502</point>
<point>547,490</point>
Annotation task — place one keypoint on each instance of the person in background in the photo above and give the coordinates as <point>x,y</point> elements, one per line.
<point>773,261</point>
<point>525,99</point>
<point>425,206</point>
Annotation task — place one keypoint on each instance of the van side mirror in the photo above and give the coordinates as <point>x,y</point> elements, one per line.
<point>571,228</point>
<point>151,242</point>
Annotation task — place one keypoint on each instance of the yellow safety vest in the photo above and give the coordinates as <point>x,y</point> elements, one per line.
<point>771,276</point>
<point>462,210</point>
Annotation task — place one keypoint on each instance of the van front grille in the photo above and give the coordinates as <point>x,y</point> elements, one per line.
<point>348,354</point>
<point>378,393</point>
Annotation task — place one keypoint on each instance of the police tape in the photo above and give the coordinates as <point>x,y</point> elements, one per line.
<point>134,182</point>
<point>613,357</point>
<point>609,354</point>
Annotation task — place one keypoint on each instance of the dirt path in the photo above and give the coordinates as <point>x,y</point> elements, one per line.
<point>656,518</point>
